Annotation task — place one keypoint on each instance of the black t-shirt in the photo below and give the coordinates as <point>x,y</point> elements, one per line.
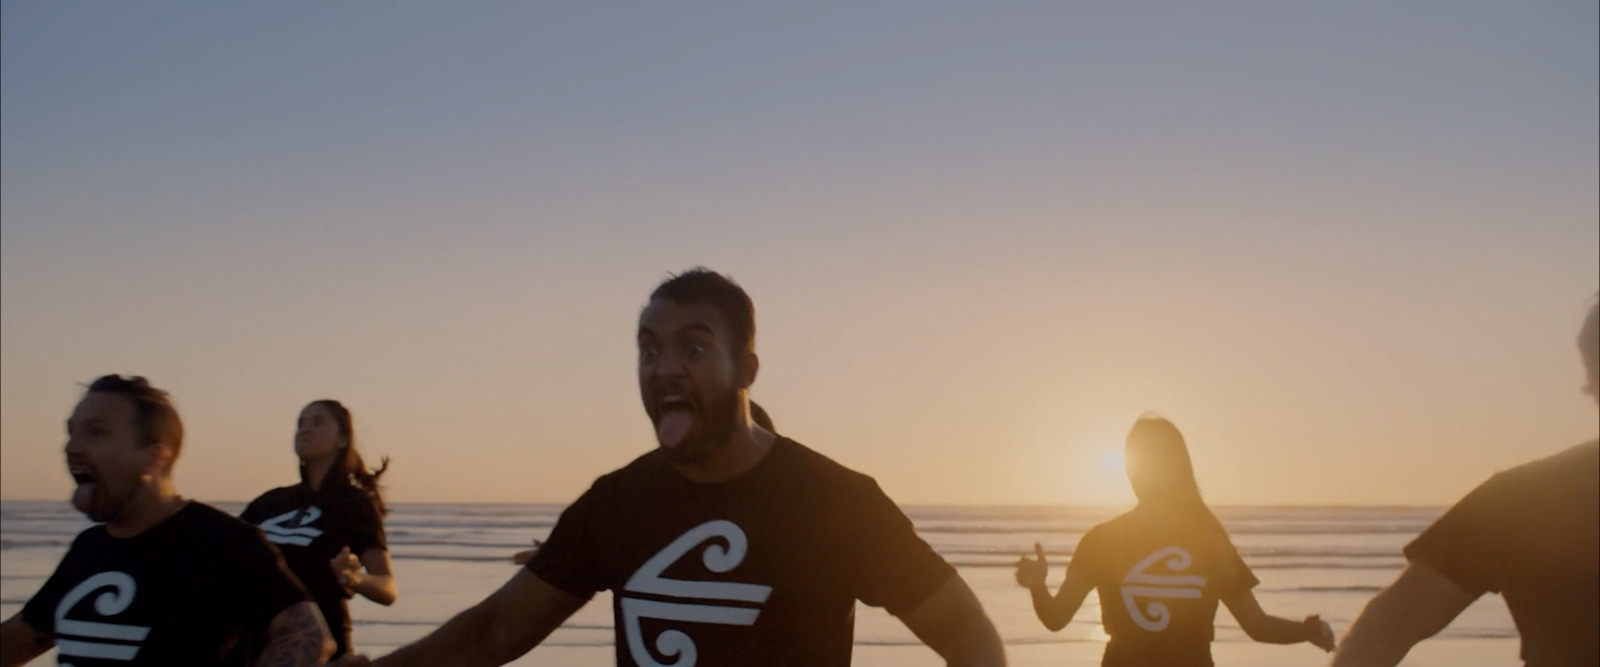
<point>1531,534</point>
<point>764,569</point>
<point>198,589</point>
<point>1159,578</point>
<point>310,527</point>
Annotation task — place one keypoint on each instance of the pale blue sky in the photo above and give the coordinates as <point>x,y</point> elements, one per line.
<point>1339,243</point>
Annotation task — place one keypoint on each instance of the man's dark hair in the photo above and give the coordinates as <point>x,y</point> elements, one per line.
<point>154,415</point>
<point>701,285</point>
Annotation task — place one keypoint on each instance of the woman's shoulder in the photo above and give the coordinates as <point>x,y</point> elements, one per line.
<point>273,500</point>
<point>277,495</point>
<point>352,497</point>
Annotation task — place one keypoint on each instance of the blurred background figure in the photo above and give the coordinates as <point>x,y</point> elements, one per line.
<point>1531,534</point>
<point>1161,568</point>
<point>329,527</point>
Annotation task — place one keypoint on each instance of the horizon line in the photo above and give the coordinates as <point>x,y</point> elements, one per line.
<point>1377,506</point>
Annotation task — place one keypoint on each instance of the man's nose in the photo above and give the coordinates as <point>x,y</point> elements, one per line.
<point>669,365</point>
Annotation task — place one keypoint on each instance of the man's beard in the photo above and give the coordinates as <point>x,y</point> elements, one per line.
<point>713,427</point>
<point>105,506</point>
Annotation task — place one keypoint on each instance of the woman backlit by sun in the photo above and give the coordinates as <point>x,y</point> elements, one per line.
<point>1160,568</point>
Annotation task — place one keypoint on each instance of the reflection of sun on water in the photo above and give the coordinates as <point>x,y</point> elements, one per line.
<point>1111,460</point>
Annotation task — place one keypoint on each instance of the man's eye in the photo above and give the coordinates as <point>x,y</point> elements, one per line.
<point>647,354</point>
<point>697,349</point>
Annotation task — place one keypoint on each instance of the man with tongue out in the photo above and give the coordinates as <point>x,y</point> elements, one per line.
<point>160,580</point>
<point>726,544</point>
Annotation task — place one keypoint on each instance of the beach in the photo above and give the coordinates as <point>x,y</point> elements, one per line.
<point>447,557</point>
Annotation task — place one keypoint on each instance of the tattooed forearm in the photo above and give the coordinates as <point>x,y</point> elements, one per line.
<point>298,636</point>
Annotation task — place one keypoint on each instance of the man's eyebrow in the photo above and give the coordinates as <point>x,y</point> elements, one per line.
<point>701,327</point>
<point>698,326</point>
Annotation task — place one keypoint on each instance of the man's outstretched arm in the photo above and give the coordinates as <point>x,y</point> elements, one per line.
<point>1419,604</point>
<point>502,628</point>
<point>20,643</point>
<point>953,624</point>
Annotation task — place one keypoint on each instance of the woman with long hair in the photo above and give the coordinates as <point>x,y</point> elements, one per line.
<point>329,527</point>
<point>1161,568</point>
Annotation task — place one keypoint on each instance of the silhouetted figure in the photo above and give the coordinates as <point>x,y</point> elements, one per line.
<point>1161,568</point>
<point>1531,534</point>
<point>159,580</point>
<point>330,525</point>
<point>726,544</point>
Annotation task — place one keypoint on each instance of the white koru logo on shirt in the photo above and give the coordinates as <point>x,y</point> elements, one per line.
<point>103,641</point>
<point>648,579</point>
<point>1140,583</point>
<point>284,529</point>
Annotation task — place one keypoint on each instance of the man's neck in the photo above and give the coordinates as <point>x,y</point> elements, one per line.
<point>147,511</point>
<point>745,448</point>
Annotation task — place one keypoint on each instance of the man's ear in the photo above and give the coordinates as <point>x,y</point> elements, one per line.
<point>749,365</point>
<point>161,456</point>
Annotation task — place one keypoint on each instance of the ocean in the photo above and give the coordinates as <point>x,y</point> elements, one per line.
<point>1324,560</point>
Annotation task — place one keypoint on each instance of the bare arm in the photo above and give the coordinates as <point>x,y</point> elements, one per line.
<point>1057,611</point>
<point>1419,604</point>
<point>20,643</point>
<point>297,636</point>
<point>1269,629</point>
<point>952,623</point>
<point>376,583</point>
<point>503,627</point>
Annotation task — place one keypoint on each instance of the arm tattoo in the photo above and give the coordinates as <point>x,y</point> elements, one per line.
<point>297,636</point>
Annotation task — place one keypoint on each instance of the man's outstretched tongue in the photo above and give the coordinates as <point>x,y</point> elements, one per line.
<point>83,496</point>
<point>674,428</point>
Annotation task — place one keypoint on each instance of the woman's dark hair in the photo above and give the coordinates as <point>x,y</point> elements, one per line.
<point>349,468</point>
<point>1161,472</point>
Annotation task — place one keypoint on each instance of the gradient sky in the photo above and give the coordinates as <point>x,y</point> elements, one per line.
<point>1346,246</point>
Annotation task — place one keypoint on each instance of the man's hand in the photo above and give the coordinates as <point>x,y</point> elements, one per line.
<point>1031,573</point>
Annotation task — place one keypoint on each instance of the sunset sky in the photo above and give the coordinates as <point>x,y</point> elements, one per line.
<point>1346,247</point>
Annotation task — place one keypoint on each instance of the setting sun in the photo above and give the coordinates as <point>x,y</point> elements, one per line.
<point>1111,460</point>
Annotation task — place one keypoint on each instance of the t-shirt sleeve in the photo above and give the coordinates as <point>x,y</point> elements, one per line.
<point>252,513</point>
<point>1233,576</point>
<point>366,526</point>
<point>265,585</point>
<point>567,559</point>
<point>1473,543</point>
<point>894,568</point>
<point>39,611</point>
<point>1086,557</point>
